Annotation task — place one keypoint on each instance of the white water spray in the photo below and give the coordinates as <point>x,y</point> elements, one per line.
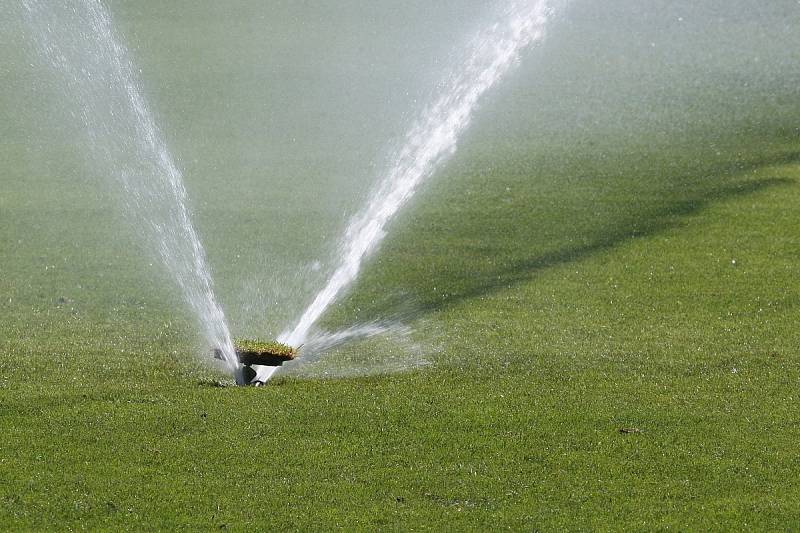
<point>77,37</point>
<point>431,140</point>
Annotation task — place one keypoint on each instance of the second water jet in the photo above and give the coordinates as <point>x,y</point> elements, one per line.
<point>432,139</point>
<point>77,38</point>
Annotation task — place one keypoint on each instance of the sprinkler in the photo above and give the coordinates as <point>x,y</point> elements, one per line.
<point>250,352</point>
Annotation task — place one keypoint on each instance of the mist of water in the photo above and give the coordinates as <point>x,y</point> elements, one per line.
<point>429,142</point>
<point>77,37</point>
<point>321,343</point>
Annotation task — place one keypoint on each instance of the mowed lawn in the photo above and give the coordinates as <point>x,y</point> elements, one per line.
<point>612,332</point>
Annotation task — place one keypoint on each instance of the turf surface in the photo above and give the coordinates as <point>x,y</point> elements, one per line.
<point>561,320</point>
<point>610,322</point>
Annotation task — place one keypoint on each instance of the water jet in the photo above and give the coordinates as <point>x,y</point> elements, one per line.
<point>123,141</point>
<point>431,140</point>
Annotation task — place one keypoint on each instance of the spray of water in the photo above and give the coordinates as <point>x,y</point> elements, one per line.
<point>322,342</point>
<point>77,37</point>
<point>430,141</point>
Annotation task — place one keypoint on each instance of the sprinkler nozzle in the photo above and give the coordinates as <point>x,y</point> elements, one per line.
<point>250,352</point>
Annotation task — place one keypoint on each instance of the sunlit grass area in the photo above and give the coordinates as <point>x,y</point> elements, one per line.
<point>613,343</point>
<point>589,313</point>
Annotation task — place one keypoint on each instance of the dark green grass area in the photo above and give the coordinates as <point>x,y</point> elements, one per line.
<point>571,294</point>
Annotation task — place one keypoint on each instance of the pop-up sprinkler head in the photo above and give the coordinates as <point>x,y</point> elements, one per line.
<point>250,352</point>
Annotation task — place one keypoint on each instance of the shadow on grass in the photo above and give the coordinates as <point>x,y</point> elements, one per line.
<point>454,253</point>
<point>524,270</point>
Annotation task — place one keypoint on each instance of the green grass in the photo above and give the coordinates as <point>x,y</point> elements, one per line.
<point>654,291</point>
<point>566,275</point>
